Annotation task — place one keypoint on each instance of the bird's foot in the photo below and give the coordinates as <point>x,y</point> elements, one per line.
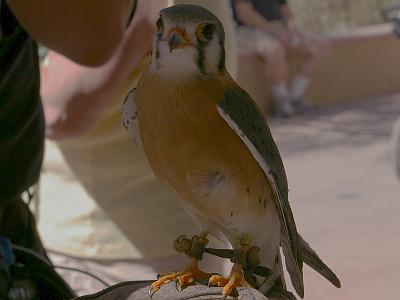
<point>236,278</point>
<point>229,284</point>
<point>183,279</point>
<point>163,280</point>
<point>245,258</point>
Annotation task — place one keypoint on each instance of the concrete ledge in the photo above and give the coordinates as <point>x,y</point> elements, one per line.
<point>363,63</point>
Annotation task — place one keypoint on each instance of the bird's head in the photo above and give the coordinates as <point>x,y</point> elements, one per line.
<point>189,40</point>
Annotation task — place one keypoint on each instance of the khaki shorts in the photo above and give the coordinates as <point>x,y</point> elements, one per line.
<point>260,42</point>
<point>255,40</point>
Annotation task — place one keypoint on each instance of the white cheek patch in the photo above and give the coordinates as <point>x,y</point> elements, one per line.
<point>179,62</point>
<point>212,56</point>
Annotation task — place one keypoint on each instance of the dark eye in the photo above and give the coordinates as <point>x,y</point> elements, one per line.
<point>160,24</point>
<point>208,31</point>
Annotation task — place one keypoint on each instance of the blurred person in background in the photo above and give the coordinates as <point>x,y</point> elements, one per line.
<point>395,137</point>
<point>83,40</point>
<point>101,208</point>
<point>268,27</point>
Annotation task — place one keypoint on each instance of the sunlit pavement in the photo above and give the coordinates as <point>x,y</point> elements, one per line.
<point>346,196</point>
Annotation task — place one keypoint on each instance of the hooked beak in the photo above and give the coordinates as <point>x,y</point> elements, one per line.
<point>178,39</point>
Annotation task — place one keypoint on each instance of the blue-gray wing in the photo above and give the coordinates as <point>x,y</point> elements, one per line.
<point>129,113</point>
<point>244,117</point>
<point>311,258</point>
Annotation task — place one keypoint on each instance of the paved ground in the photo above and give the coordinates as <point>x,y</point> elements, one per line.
<point>345,196</point>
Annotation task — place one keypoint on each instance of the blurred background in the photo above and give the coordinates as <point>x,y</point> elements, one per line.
<point>99,202</point>
<point>340,159</point>
<point>333,16</point>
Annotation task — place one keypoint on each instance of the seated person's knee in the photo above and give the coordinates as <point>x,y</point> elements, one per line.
<point>317,48</point>
<point>276,51</point>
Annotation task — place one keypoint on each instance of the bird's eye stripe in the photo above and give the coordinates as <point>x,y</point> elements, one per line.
<point>160,24</point>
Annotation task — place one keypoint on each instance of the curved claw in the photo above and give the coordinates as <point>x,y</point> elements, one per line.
<point>184,281</point>
<point>163,280</point>
<point>212,280</point>
<point>178,286</point>
<point>151,292</point>
<point>217,280</point>
<point>228,284</point>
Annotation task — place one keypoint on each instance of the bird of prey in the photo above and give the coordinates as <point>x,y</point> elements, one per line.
<point>207,140</point>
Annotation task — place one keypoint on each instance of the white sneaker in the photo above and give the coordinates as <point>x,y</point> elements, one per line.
<point>283,108</point>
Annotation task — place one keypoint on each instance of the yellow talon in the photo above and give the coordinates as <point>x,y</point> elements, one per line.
<point>163,280</point>
<point>217,280</point>
<point>194,248</point>
<point>183,279</point>
<point>229,284</point>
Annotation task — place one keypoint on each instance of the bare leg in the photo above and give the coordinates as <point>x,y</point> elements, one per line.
<point>275,66</point>
<point>315,50</point>
<point>276,70</point>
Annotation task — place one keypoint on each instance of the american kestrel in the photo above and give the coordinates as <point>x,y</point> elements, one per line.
<point>207,140</point>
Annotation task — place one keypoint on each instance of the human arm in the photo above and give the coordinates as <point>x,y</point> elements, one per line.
<point>287,15</point>
<point>75,96</point>
<point>88,32</point>
<point>251,17</point>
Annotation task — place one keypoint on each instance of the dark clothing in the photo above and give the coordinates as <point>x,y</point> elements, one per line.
<point>33,273</point>
<point>21,155</point>
<point>18,224</point>
<point>269,9</point>
<point>21,113</point>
